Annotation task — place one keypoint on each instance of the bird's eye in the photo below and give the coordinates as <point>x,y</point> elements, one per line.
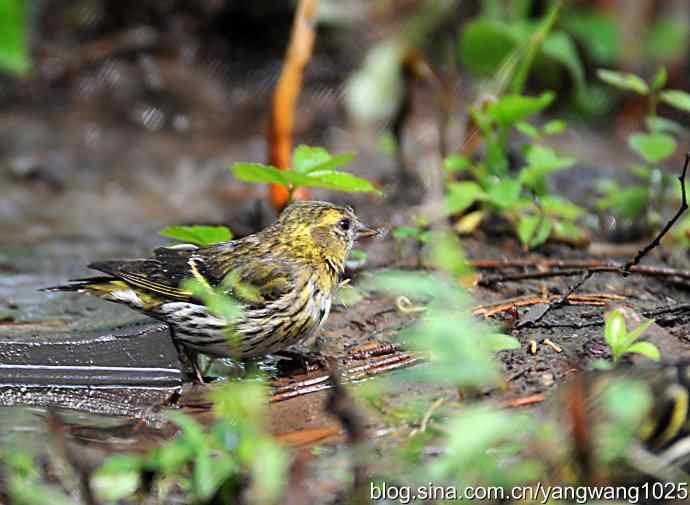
<point>344,224</point>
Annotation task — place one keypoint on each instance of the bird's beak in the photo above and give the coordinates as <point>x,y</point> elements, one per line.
<point>364,231</point>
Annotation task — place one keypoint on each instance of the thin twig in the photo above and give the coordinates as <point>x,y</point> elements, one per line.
<point>599,321</point>
<point>657,240</point>
<point>522,402</point>
<point>558,303</point>
<point>648,271</point>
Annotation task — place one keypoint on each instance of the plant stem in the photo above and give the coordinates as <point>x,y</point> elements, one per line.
<point>533,47</point>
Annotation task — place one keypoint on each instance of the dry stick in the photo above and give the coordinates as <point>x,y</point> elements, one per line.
<point>377,365</point>
<point>598,267</point>
<point>287,91</point>
<point>492,264</point>
<point>558,303</point>
<point>599,321</point>
<point>634,261</point>
<point>522,402</point>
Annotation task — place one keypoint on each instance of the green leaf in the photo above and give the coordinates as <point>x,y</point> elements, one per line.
<point>658,124</point>
<point>533,230</point>
<point>624,81</point>
<point>14,52</point>
<point>541,161</point>
<point>22,492</point>
<point>559,46</point>
<point>555,127</point>
<point>614,330</point>
<point>628,203</point>
<point>637,332</point>
<point>308,160</point>
<point>405,232</point>
<point>598,32</point>
<point>447,254</point>
<point>197,235</point>
<point>456,163</point>
<point>461,195</point>
<point>528,130</point>
<point>336,181</point>
<point>484,44</point>
<point>566,230</point>
<point>216,299</point>
<point>653,147</point>
<point>646,349</point>
<point>259,173</point>
<point>490,47</point>
<point>305,157</point>
<point>318,175</point>
<point>510,109</point>
<point>676,98</point>
<point>192,431</point>
<point>505,194</point>
<point>500,342</point>
<point>269,471</point>
<point>666,41</point>
<point>660,79</point>
<point>560,207</point>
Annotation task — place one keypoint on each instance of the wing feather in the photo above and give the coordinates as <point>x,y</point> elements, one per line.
<point>245,275</point>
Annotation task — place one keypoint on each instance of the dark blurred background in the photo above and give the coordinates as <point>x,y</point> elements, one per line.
<point>123,116</point>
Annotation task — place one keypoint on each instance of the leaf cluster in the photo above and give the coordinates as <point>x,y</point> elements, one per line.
<point>312,167</point>
<point>622,342</point>
<point>654,147</point>
<point>522,198</point>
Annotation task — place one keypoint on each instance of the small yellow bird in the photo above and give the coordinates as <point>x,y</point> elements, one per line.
<point>292,268</point>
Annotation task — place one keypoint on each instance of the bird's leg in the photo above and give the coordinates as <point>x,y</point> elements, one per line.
<point>309,361</point>
<point>194,358</point>
<point>187,357</point>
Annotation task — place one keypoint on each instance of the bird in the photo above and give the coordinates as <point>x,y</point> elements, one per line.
<point>283,279</point>
<point>656,418</point>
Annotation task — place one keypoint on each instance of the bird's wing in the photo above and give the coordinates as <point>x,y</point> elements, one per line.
<point>249,278</point>
<point>258,281</point>
<point>161,275</point>
<point>249,274</point>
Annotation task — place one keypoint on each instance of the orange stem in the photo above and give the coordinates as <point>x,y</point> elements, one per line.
<point>286,94</point>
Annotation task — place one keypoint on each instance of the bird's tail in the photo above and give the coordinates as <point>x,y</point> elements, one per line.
<point>91,283</point>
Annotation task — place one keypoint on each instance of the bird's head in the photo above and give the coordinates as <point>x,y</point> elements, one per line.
<point>314,229</point>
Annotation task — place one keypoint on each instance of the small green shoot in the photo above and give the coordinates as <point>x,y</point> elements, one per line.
<point>197,235</point>
<point>417,234</point>
<point>623,342</point>
<point>523,199</point>
<point>312,167</point>
<point>654,147</point>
